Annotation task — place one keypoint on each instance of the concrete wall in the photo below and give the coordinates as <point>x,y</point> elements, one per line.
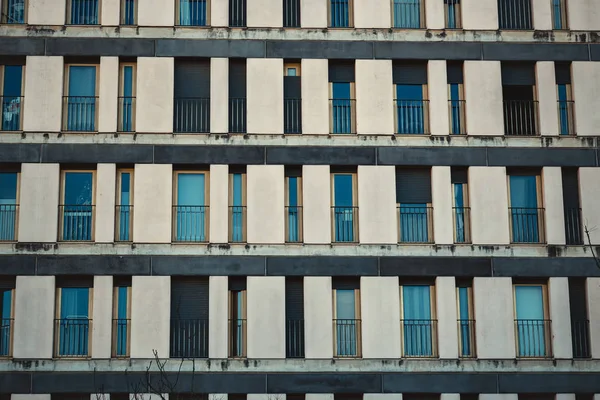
<point>488,198</point>
<point>553,205</point>
<point>447,315</point>
<point>218,308</point>
<point>106,178</point>
<point>152,191</point>
<point>46,12</point>
<point>33,335</point>
<point>560,314</point>
<point>30,397</point>
<point>542,15</point>
<point>266,316</point>
<point>484,396</point>
<point>219,15</point>
<point>437,85</point>
<point>264,93</point>
<point>375,94</point>
<point>266,202</point>
<point>316,206</point>
<point>380,314</point>
<point>586,93</point>
<point>593,307</point>
<point>315,92</point>
<point>102,315</point>
<point>479,14</point>
<point>150,316</point>
<point>219,204</point>
<point>583,15</point>
<point>434,15</point>
<point>154,98</point>
<point>110,12</point>
<point>219,94</point>
<point>495,327</point>
<point>264,14</point>
<point>483,93</point>
<point>156,13</point>
<point>38,202</point>
<point>370,14</point>
<point>108,93</point>
<point>313,14</point>
<point>42,104</point>
<point>441,192</point>
<point>318,317</point>
<point>589,189</point>
<point>377,213</point>
<point>547,97</point>
<point>382,396</point>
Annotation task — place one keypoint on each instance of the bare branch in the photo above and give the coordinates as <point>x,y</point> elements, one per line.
<point>589,240</point>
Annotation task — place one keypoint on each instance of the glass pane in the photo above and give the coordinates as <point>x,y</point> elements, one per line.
<point>122,302</point>
<point>8,188</point>
<point>5,321</point>
<point>13,75</point>
<point>74,323</point>
<point>6,298</point>
<point>410,113</point>
<point>128,81</point>
<point>342,192</point>
<point>125,188</point>
<point>292,191</point>
<point>78,188</point>
<point>84,12</point>
<point>414,224</point>
<point>524,213</point>
<point>341,90</point>
<point>82,81</point>
<point>417,323</point>
<point>339,13</point>
<point>407,13</point>
<point>530,321</point>
<point>463,315</point>
<point>237,189</point>
<point>291,72</point>
<point>74,303</point>
<point>345,304</point>
<point>190,189</point>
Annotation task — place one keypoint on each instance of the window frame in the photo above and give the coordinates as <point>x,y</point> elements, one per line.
<point>355,206</point>
<point>540,206</point>
<point>546,312</point>
<point>122,13</point>
<point>175,201</point>
<point>425,100</point>
<point>2,72</point>
<point>243,206</point>
<point>63,174</point>
<point>432,311</point>
<point>357,317</point>
<point>232,295</point>
<point>178,16</point>
<point>66,94</point>
<point>115,314</point>
<point>352,100</point>
<point>120,172</point>
<point>122,66</point>
<point>299,205</point>
<point>290,65</point>
<point>57,312</point>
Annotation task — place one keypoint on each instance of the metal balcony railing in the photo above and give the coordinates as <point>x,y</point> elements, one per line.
<point>345,223</point>
<point>79,113</point>
<point>291,13</point>
<point>458,116</point>
<point>466,338</point>
<point>189,338</point>
<point>126,117</point>
<point>292,116</point>
<point>124,223</point>
<point>293,221</point>
<point>342,115</point>
<point>11,113</point>
<point>190,223</point>
<point>580,334</point>
<point>128,12</point>
<point>520,118</point>
<point>76,222</point>
<point>8,222</point>
<point>191,115</point>
<point>346,333</point>
<point>121,331</point>
<point>533,338</point>
<point>237,115</point>
<point>237,224</point>
<point>408,14</point>
<point>462,224</point>
<point>237,13</point>
<point>237,338</point>
<point>6,329</point>
<point>294,338</point>
<point>527,225</point>
<point>192,12</point>
<point>412,117</point>
<point>559,14</point>
<point>415,223</point>
<point>573,226</point>
<point>83,12</point>
<point>72,337</point>
<point>453,14</point>
<point>566,116</point>
<point>13,12</point>
<point>515,14</point>
<point>419,338</point>
<point>340,13</point>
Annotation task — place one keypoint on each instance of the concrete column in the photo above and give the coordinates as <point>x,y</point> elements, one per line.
<point>583,15</point>
<point>439,119</point>
<point>278,396</point>
<point>479,14</point>
<point>217,396</point>
<point>542,15</point>
<point>102,314</point>
<point>265,14</point>
<point>589,189</point>
<point>155,77</point>
<point>219,16</point>
<point>219,204</point>
<point>323,396</point>
<point>266,204</point>
<point>449,396</point>
<point>106,178</point>
<point>110,11</point>
<point>370,14</point>
<point>39,194</point>
<point>153,194</point>
<point>318,317</point>
<point>546,94</point>
<point>265,93</point>
<point>382,396</point>
<point>483,92</point>
<point>218,307</point>
<point>42,104</point>
<point>380,315</point>
<point>156,13</point>
<point>34,322</point>
<point>593,308</point>
<point>150,316</point>
<point>488,197</point>
<point>560,314</point>
<point>377,214</point>
<point>496,396</point>
<point>108,94</point>
<point>46,12</point>
<point>435,17</point>
<point>553,205</point>
<point>316,204</point>
<point>266,316</point>
<point>586,86</point>
<point>447,317</point>
<point>313,14</point>
<point>315,90</point>
<point>219,94</point>
<point>495,327</point>
<point>374,96</point>
<point>30,397</point>
<point>565,396</point>
<point>441,192</point>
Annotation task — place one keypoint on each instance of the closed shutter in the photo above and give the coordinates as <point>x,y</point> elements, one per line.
<point>413,186</point>
<point>455,72</point>
<point>563,73</point>
<point>341,71</point>
<point>409,74</point>
<point>7,282</point>
<point>294,299</point>
<point>459,175</point>
<point>237,78</point>
<point>189,298</point>
<point>75,281</point>
<point>292,87</point>
<point>192,79</point>
<point>570,184</point>
<point>237,283</point>
<point>346,283</point>
<point>577,299</point>
<point>518,74</point>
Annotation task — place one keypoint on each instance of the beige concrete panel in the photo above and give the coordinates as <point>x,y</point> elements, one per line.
<point>495,327</point>
<point>42,104</point>
<point>589,189</point>
<point>380,315</point>
<point>254,396</point>
<point>219,204</point>
<point>266,316</point>
<point>106,179</point>
<point>322,396</point>
<point>46,12</point>
<point>264,14</point>
<point>449,396</point>
<point>219,17</point>
<point>99,396</point>
<point>218,306</point>
<point>154,98</point>
<point>156,13</point>
<point>318,317</point>
<point>447,315</point>
<point>219,94</point>
<point>30,397</point>
<point>150,396</point>
<point>586,93</point>
<point>483,95</point>
<point>38,203</point>
<point>488,198</point>
<point>547,97</point>
<point>264,83</point>
<point>266,204</point>
<point>441,193</point>
<point>217,396</point>
<point>108,94</point>
<point>479,14</point>
<point>315,93</point>
<point>553,205</point>
<point>382,396</point>
<point>110,12</point>
<point>565,396</point>
<point>150,316</point>
<point>316,204</point>
<point>374,97</point>
<point>152,191</point>
<point>34,322</point>
<point>313,14</point>
<point>437,76</point>
<point>593,309</point>
<point>102,314</point>
<point>583,15</point>
<point>491,396</point>
<point>369,14</point>
<point>377,213</point>
<point>560,315</point>
<point>435,17</point>
<point>542,15</point>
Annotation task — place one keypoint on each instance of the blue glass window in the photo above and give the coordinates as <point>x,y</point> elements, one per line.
<point>81,101</point>
<point>77,206</point>
<point>410,113</point>
<point>531,328</point>
<point>524,209</point>
<point>192,12</point>
<point>191,208</point>
<point>341,107</point>
<point>343,209</point>
<point>464,322</point>
<point>346,322</point>
<point>8,205</point>
<point>339,13</point>
<point>13,12</point>
<point>5,321</point>
<point>417,323</point>
<point>238,320</point>
<point>237,208</point>
<point>125,207</point>
<point>557,14</point>
<point>455,109</point>
<point>126,103</point>
<point>128,10</point>
<point>294,217</point>
<point>122,321</point>
<point>11,98</point>
<point>414,223</point>
<point>74,322</point>
<point>407,14</point>
<point>452,14</point>
<point>459,212</point>
<point>84,12</point>
<point>563,109</point>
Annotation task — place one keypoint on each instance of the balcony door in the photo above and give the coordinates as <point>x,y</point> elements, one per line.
<point>74,322</point>
<point>77,207</point>
<point>417,322</point>
<point>81,100</point>
<point>524,209</point>
<point>6,307</point>
<point>8,205</point>
<point>191,210</point>
<point>531,327</point>
<point>12,92</point>
<point>346,322</point>
<point>343,208</point>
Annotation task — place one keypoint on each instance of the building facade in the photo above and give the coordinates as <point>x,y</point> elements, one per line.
<point>301,199</point>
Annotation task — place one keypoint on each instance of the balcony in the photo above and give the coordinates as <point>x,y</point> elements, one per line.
<point>128,12</point>
<point>237,115</point>
<point>126,117</point>
<point>580,335</point>
<point>566,116</point>
<point>527,225</point>
<point>458,116</point>
<point>415,224</point>
<point>533,338</point>
<point>408,14</point>
<point>291,13</point>
<point>124,223</point>
<point>342,119</point>
<point>8,222</point>
<point>452,14</point>
<point>6,329</point>
<point>13,12</point>
<point>293,221</point>
<point>292,116</point>
<point>515,14</point>
<point>520,118</point>
<point>573,227</point>
<point>419,338</point>
<point>191,115</point>
<point>345,224</point>
<point>192,12</point>
<point>79,113</point>
<point>189,338</point>
<point>237,224</point>
<point>82,12</point>
<point>294,338</point>
<point>462,224</point>
<point>340,13</point>
<point>76,222</point>
<point>72,337</point>
<point>190,223</point>
<point>466,338</point>
<point>121,330</point>
<point>412,117</point>
<point>346,333</point>
<point>237,338</point>
<point>237,13</point>
<point>11,113</point>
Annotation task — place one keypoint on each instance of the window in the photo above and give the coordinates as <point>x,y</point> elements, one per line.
<point>515,14</point>
<point>412,106</point>
<point>237,206</point>
<point>192,12</point>
<point>191,209</point>
<point>291,13</point>
<point>293,208</point>
<point>344,209</point>
<point>80,100</point>
<point>12,97</point>
<point>74,307</point>
<point>294,315</point>
<point>128,12</point>
<point>466,320</point>
<point>408,14</point>
<point>82,12</point>
<point>292,98</point>
<point>124,208</point>
<point>572,208</point>
<point>413,202</point>
<point>559,14</point>
<point>453,14</point>
<point>189,317</point>
<point>418,321</point>
<point>456,99</point>
<point>342,94</point>
<point>340,13</point>
<point>460,204</point>
<point>192,97</point>
<point>346,317</point>
<point>77,206</point>
<point>9,205</point>
<point>121,316</point>
<point>237,317</point>
<point>566,105</point>
<point>7,289</point>
<point>127,91</point>
<point>237,95</point>
<point>13,11</point>
<point>237,13</point>
<point>520,101</point>
<point>526,212</point>
<point>580,324</point>
<point>532,323</point>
